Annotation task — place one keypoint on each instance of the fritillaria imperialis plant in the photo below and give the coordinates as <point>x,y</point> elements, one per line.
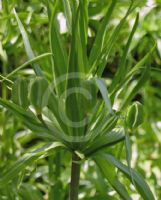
<point>74,108</point>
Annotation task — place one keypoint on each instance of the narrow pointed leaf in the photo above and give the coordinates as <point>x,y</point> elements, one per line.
<point>141,186</point>
<point>59,58</point>
<point>35,59</point>
<point>140,83</point>
<point>27,45</point>
<point>26,160</point>
<point>100,37</point>
<point>104,141</point>
<point>27,117</point>
<point>101,59</point>
<point>122,68</point>
<point>68,14</point>
<point>132,72</point>
<point>108,171</point>
<point>102,87</point>
<point>128,154</point>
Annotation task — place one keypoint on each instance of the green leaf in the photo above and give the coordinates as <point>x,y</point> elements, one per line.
<point>26,160</point>
<point>133,71</point>
<point>57,107</point>
<point>128,154</point>
<point>29,192</point>
<point>39,93</point>
<point>100,37</point>
<point>104,141</point>
<point>140,83</point>
<point>68,14</point>
<point>37,58</point>
<point>56,191</point>
<point>122,67</point>
<point>102,87</point>
<point>27,117</point>
<point>135,115</point>
<point>59,58</point>
<point>141,186</point>
<point>78,54</point>
<point>103,124</point>
<point>108,171</point>
<point>26,41</point>
<point>20,93</point>
<point>78,64</point>
<point>101,59</point>
<point>102,197</point>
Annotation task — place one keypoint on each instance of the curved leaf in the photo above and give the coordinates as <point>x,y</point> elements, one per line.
<point>108,171</point>
<point>141,186</point>
<point>26,160</point>
<point>109,139</point>
<point>27,117</point>
<point>27,45</point>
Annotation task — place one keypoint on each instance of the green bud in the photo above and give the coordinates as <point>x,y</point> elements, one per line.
<point>20,93</point>
<point>39,93</point>
<point>135,115</point>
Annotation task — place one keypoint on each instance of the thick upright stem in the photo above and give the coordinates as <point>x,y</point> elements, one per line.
<point>75,175</point>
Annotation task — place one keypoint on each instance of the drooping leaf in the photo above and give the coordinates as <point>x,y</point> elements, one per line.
<point>27,45</point>
<point>27,117</point>
<point>141,186</point>
<point>37,58</point>
<point>108,171</point>
<point>104,141</point>
<point>128,154</point>
<point>26,160</point>
<point>140,83</point>
<point>102,87</point>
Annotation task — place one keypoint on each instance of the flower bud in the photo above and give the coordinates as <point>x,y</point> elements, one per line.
<point>20,93</point>
<point>135,115</point>
<point>39,93</point>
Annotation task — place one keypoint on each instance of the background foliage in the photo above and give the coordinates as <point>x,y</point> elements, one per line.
<point>15,139</point>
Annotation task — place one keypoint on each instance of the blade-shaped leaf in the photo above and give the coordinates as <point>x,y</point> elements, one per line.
<point>78,63</point>
<point>140,83</point>
<point>27,45</point>
<point>29,192</point>
<point>108,171</point>
<point>59,58</point>
<point>102,87</point>
<point>26,160</point>
<point>133,71</point>
<point>37,58</point>
<point>141,186</point>
<point>128,154</point>
<point>68,14</point>
<point>101,59</point>
<point>28,118</point>
<point>100,37</point>
<point>122,68</point>
<point>104,141</point>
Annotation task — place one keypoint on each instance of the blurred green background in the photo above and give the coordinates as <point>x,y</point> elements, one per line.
<point>15,139</point>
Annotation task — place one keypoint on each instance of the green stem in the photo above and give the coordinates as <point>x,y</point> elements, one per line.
<point>75,175</point>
